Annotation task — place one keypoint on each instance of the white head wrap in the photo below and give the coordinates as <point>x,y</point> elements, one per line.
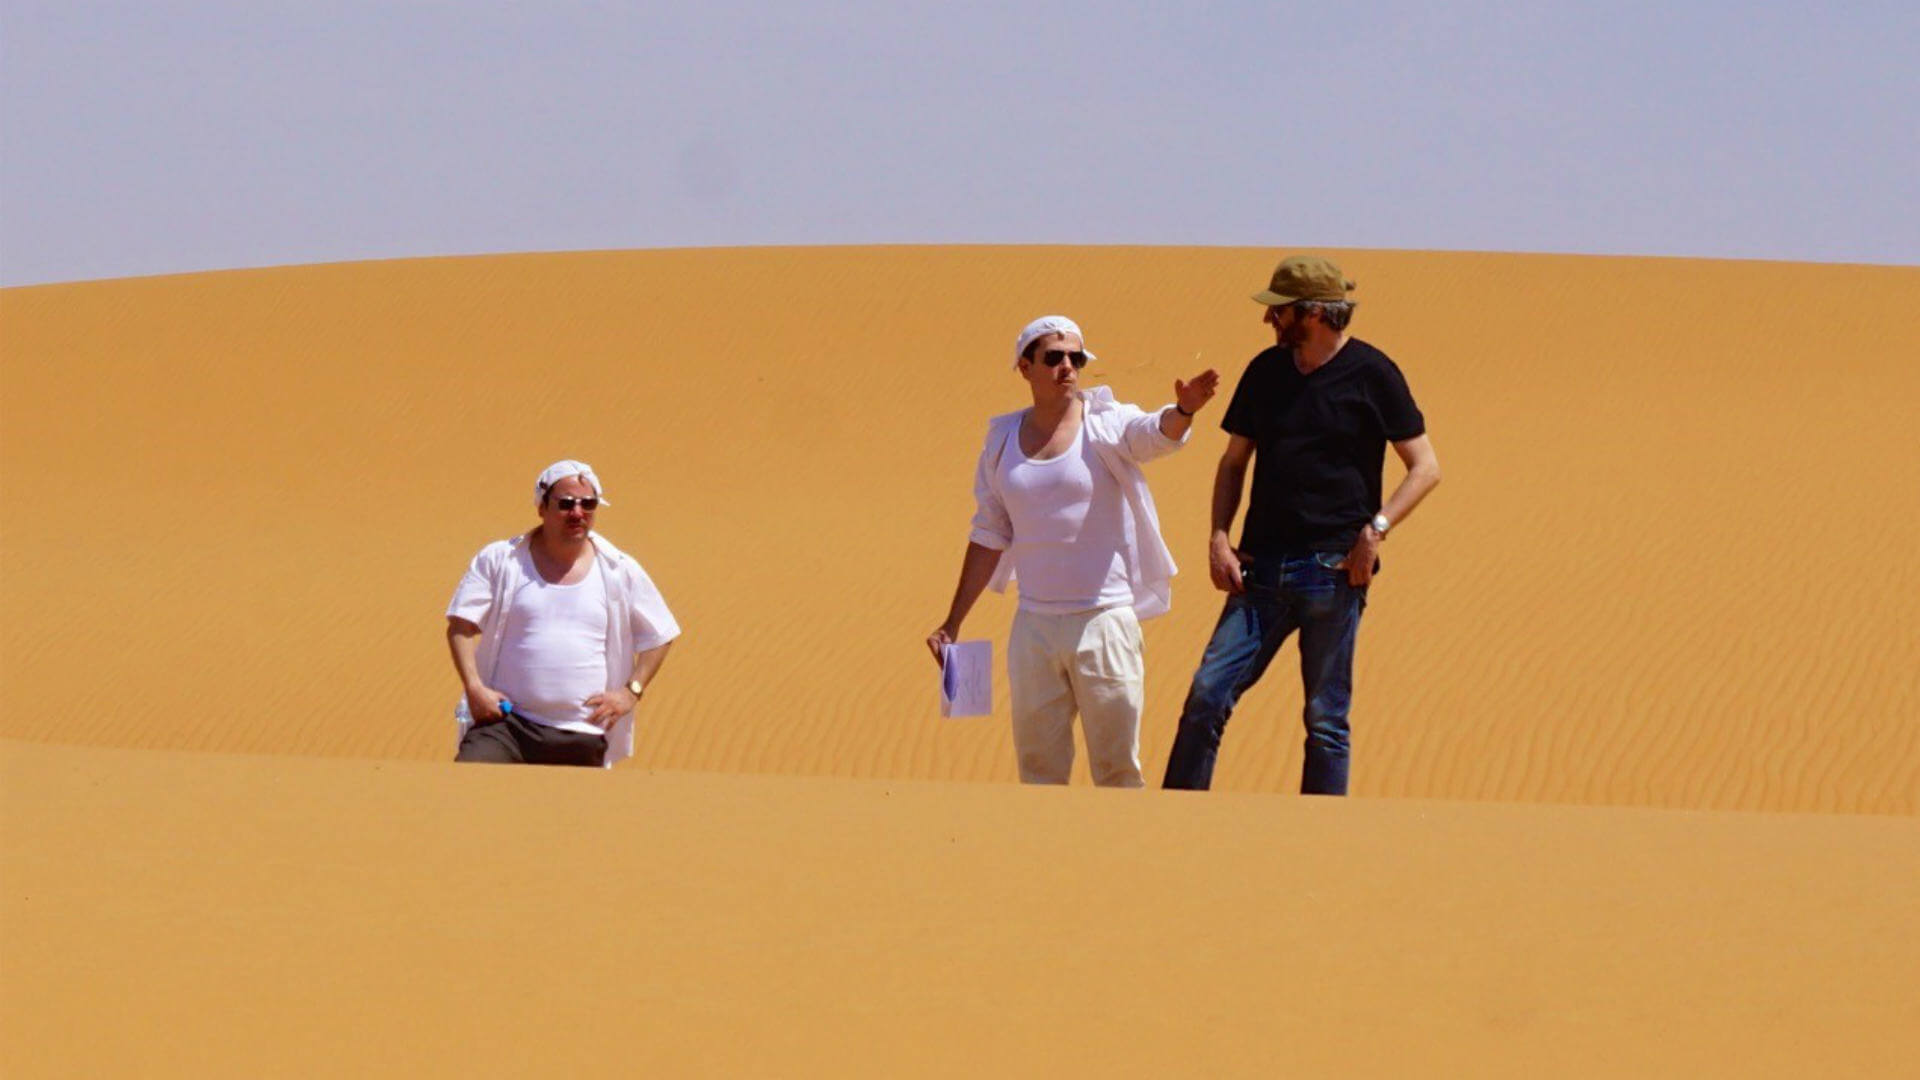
<point>1041,327</point>
<point>559,471</point>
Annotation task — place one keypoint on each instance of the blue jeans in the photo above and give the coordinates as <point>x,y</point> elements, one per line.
<point>1301,591</point>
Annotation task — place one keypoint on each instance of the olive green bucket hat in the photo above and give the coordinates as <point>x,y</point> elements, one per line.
<point>1304,277</point>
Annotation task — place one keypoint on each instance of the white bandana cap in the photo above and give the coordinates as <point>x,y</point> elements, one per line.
<point>1041,327</point>
<point>559,471</point>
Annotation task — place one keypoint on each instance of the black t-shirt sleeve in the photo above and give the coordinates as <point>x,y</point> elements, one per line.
<point>1399,417</point>
<point>1243,412</point>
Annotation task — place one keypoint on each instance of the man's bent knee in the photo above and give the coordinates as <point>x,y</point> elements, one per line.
<point>1207,707</point>
<point>1328,731</point>
<point>483,745</point>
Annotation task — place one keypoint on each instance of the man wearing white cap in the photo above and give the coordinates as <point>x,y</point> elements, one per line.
<point>555,635</point>
<point>1061,505</point>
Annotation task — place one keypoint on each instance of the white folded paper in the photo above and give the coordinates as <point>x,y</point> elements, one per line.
<point>966,679</point>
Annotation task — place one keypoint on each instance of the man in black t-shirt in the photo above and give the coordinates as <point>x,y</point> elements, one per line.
<point>1314,414</point>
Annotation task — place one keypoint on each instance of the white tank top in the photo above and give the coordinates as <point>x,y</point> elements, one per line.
<point>1069,528</point>
<point>553,652</point>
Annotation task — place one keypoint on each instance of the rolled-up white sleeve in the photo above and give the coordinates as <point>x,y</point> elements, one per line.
<point>1141,438</point>
<point>992,528</point>
<point>652,623</point>
<point>473,597</point>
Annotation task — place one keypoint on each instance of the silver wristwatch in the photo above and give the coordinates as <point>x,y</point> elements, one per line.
<point>1381,524</point>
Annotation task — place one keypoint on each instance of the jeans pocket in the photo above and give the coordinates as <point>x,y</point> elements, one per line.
<point>1317,590</point>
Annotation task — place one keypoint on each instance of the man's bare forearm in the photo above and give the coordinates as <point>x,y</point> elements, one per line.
<point>1174,423</point>
<point>1423,475</point>
<point>647,663</point>
<point>1228,481</point>
<point>1412,488</point>
<point>976,569</point>
<point>463,641</point>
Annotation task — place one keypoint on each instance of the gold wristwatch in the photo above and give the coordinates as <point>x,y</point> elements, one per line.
<point>634,688</point>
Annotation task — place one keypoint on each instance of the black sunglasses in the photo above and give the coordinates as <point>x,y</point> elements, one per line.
<point>1052,358</point>
<point>588,503</point>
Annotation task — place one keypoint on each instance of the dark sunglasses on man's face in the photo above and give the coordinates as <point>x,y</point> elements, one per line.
<point>588,503</point>
<point>1052,358</point>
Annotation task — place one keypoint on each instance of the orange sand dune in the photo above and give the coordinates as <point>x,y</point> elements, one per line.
<point>1668,565</point>
<point>198,914</point>
<point>1666,570</point>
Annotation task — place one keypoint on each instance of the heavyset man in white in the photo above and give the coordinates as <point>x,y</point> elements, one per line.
<point>1062,506</point>
<point>564,626</point>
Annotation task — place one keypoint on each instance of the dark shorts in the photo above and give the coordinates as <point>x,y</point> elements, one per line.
<point>514,741</point>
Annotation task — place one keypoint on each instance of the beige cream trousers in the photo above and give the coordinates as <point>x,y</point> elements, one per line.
<point>1089,662</point>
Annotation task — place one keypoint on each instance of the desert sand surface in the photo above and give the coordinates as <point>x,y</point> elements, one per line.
<point>1635,756</point>
<point>177,913</point>
<point>1668,565</point>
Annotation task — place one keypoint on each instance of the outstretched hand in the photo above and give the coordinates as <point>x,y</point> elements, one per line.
<point>1193,396</point>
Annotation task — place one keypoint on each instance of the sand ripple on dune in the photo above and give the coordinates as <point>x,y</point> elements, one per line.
<point>233,916</point>
<point>1666,567</point>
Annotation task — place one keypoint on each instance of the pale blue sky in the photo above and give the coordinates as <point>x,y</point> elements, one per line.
<point>157,137</point>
